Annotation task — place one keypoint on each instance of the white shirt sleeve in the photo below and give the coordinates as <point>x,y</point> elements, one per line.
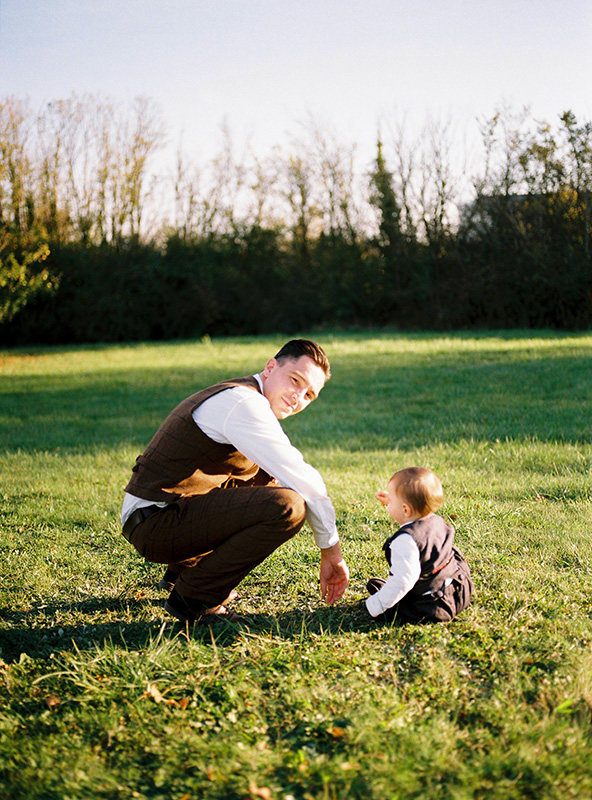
<point>404,574</point>
<point>243,418</point>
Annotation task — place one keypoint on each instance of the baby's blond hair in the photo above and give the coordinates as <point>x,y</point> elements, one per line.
<point>420,487</point>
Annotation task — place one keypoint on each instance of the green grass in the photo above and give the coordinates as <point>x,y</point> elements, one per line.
<point>102,696</point>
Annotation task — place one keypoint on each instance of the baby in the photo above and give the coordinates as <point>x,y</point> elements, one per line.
<point>429,580</point>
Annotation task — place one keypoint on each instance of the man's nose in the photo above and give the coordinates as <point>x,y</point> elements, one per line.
<point>299,395</point>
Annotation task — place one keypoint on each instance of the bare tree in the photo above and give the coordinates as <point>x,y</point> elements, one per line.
<point>404,168</point>
<point>438,185</point>
<point>579,170</point>
<point>503,136</point>
<point>264,182</point>
<point>16,170</point>
<point>210,200</point>
<point>297,188</point>
<point>140,137</point>
<point>186,182</point>
<point>334,179</point>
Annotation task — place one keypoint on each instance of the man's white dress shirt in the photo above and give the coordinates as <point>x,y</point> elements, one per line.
<point>243,418</point>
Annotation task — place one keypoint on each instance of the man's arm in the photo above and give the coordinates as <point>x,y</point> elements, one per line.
<point>245,421</point>
<point>242,418</point>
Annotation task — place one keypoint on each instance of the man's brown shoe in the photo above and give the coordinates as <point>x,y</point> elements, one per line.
<point>188,609</point>
<point>168,582</point>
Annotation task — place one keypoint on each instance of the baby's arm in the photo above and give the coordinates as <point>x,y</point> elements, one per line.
<point>404,574</point>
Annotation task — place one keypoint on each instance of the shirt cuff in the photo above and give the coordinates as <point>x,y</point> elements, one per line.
<point>374,606</point>
<point>325,540</point>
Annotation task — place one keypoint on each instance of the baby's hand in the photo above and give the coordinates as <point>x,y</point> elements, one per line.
<point>382,497</point>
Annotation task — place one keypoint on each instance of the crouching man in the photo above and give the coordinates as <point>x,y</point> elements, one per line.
<point>220,487</point>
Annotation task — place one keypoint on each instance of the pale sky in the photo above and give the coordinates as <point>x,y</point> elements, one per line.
<point>264,65</point>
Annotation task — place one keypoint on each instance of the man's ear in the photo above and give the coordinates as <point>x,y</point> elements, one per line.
<point>271,364</point>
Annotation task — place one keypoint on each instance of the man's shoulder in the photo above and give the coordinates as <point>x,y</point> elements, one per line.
<point>248,383</point>
<point>235,396</point>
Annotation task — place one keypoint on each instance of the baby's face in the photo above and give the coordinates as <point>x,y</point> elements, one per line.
<point>396,506</point>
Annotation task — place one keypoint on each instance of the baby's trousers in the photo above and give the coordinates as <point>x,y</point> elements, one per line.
<point>443,604</point>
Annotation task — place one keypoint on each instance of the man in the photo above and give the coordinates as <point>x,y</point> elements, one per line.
<point>220,487</point>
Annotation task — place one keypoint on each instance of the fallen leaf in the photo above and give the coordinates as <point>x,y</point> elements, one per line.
<point>259,791</point>
<point>51,701</point>
<point>154,693</point>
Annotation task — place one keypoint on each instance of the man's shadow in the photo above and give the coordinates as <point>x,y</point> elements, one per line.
<point>23,636</point>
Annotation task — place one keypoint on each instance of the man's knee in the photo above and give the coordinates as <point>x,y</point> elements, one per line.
<point>291,509</point>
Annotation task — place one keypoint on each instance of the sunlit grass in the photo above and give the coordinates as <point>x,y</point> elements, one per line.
<point>103,696</point>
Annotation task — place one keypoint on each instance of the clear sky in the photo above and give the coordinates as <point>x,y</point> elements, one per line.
<point>264,65</point>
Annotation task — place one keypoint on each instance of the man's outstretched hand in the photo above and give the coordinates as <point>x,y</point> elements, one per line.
<point>334,574</point>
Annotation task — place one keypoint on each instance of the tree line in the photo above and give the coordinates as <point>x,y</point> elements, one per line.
<point>100,241</point>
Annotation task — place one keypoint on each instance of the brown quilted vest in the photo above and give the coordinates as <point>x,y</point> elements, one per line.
<point>181,461</point>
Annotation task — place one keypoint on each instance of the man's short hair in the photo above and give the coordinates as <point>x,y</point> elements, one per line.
<point>296,348</point>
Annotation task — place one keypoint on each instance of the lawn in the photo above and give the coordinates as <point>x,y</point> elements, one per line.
<point>103,695</point>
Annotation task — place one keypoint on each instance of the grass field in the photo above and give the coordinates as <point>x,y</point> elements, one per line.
<point>103,696</point>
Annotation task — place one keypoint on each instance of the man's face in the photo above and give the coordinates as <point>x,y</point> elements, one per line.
<point>291,386</point>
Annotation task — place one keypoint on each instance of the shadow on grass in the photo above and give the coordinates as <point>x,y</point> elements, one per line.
<point>22,634</point>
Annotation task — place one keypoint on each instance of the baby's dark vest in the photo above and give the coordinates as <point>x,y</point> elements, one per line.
<point>181,461</point>
<point>434,539</point>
